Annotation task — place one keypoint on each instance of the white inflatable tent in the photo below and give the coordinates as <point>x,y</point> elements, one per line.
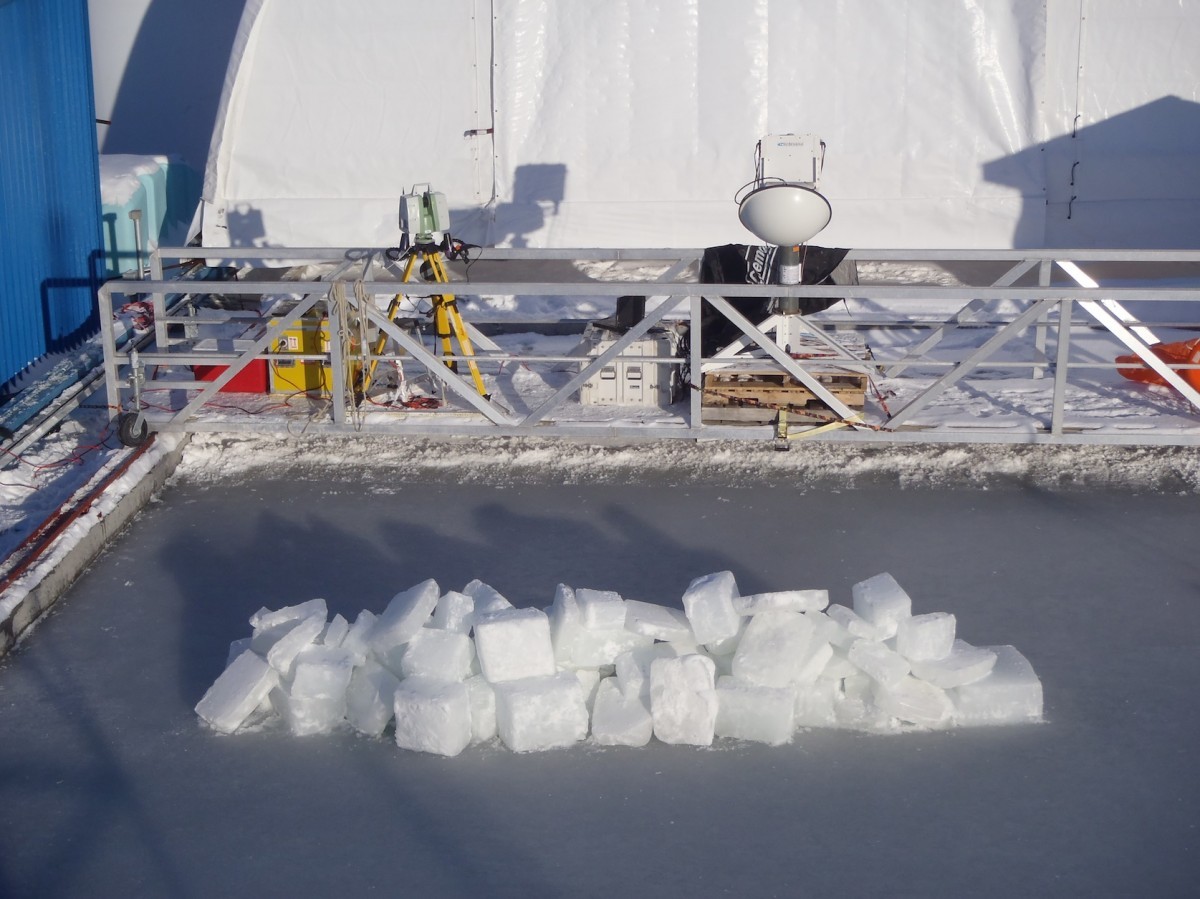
<point>972,123</point>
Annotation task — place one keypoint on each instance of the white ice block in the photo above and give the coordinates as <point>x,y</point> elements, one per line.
<point>708,604</point>
<point>782,601</point>
<point>235,695</point>
<point>882,602</point>
<point>633,668</point>
<point>925,637</point>
<point>566,623</point>
<point>659,622</point>
<point>595,649</point>
<point>539,713</point>
<point>514,644</point>
<point>237,647</point>
<point>619,719</point>
<point>747,711</point>
<point>306,716</point>
<point>600,610</point>
<point>727,646</point>
<point>432,716</point>
<point>263,639</point>
<point>816,703</point>
<point>1010,694</point>
<point>683,700</point>
<point>335,631</point>
<point>265,619</point>
<point>914,702</point>
<point>839,666</point>
<point>774,649</point>
<point>878,662</point>
<point>404,616</point>
<point>283,654</point>
<point>854,626</point>
<point>438,655</point>
<point>483,708</point>
<point>370,698</point>
<point>321,672</point>
<point>964,665</point>
<point>487,598</point>
<point>357,639</point>
<point>454,612</point>
<point>589,681</point>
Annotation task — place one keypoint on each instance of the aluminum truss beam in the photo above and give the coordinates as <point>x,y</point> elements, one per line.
<point>1106,307</point>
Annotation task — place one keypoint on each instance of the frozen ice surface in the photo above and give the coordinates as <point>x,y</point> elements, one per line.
<point>432,716</point>
<point>566,623</point>
<point>438,655</point>
<point>335,631</point>
<point>483,708</point>
<point>513,644</point>
<point>308,715</point>
<point>782,600</point>
<point>237,692</point>
<point>882,602</point>
<point>747,711</point>
<point>708,603</point>
<point>878,662</point>
<point>683,700</point>
<point>265,619</point>
<point>926,637</point>
<point>370,698</point>
<point>539,713</point>
<point>454,612</point>
<point>964,665</point>
<point>774,649</point>
<point>659,622</point>
<point>1010,694</point>
<point>620,719</point>
<point>914,701</point>
<point>284,652</point>
<point>406,614</point>
<point>486,597</point>
<point>600,610</point>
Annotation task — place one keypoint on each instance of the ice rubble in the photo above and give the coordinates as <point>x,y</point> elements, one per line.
<point>447,670</point>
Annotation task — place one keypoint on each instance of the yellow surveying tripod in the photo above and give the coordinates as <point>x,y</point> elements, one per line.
<point>423,213</point>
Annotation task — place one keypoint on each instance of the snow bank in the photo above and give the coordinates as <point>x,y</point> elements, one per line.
<point>754,671</point>
<point>213,458</point>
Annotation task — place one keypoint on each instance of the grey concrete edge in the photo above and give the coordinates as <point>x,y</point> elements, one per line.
<point>54,583</point>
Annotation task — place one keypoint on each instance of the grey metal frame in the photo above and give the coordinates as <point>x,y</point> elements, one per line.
<point>1049,309</point>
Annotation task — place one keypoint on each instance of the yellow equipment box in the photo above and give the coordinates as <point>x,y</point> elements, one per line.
<point>306,375</point>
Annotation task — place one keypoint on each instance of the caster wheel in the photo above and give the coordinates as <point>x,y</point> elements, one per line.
<point>132,429</point>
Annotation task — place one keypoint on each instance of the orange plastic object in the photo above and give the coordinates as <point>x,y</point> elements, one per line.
<point>1182,352</point>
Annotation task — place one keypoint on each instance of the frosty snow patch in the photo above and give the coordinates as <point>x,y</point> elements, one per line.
<point>446,670</point>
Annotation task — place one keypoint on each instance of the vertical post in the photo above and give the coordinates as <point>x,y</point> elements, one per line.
<point>159,303</point>
<point>1060,366</point>
<point>695,365</point>
<point>337,361</point>
<point>1039,333</point>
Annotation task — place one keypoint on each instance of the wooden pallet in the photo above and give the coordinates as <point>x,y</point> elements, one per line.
<point>754,395</point>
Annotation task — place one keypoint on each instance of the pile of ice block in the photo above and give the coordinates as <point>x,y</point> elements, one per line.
<point>446,670</point>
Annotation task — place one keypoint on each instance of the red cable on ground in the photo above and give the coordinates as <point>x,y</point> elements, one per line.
<point>43,536</point>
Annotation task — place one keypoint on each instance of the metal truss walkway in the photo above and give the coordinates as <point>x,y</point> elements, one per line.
<point>963,346</point>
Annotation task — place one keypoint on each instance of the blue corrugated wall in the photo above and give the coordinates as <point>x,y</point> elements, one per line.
<point>50,235</point>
